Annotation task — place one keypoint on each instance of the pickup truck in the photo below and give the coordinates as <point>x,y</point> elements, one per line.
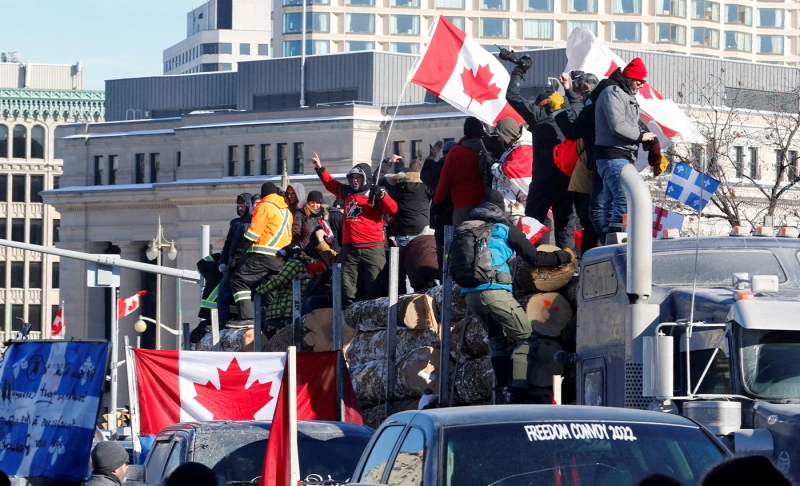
<point>506,445</point>
<point>235,449</point>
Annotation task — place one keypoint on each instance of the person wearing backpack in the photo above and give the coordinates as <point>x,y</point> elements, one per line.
<point>479,258</point>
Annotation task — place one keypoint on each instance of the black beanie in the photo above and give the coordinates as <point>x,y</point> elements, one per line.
<point>315,196</point>
<point>108,456</point>
<point>494,197</point>
<point>473,127</point>
<point>268,188</point>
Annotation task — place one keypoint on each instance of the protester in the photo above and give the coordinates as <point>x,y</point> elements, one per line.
<point>618,135</point>
<point>192,474</point>
<point>441,214</point>
<point>576,122</point>
<point>460,177</point>
<point>512,174</point>
<point>495,305</point>
<point>279,311</point>
<point>295,197</point>
<point>312,214</point>
<point>420,263</point>
<point>109,464</point>
<point>238,226</point>
<point>208,268</point>
<point>746,470</point>
<point>362,255</point>
<point>335,220</point>
<point>269,231</point>
<point>549,184</point>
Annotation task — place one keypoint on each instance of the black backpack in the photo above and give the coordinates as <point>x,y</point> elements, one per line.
<point>470,256</point>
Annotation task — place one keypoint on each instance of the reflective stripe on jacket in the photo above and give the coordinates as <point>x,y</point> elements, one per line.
<point>271,226</point>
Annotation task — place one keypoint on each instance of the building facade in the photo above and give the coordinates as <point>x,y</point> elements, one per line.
<point>220,34</point>
<point>36,101</point>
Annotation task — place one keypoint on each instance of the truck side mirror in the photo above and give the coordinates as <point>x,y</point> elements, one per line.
<point>657,362</point>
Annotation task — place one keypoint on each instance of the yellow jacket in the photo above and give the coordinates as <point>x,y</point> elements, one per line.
<point>271,226</point>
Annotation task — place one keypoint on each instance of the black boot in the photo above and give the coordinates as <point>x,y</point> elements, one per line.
<point>245,320</point>
<point>502,373</point>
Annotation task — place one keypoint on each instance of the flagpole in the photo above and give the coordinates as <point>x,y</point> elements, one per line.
<point>63,322</point>
<point>294,460</point>
<point>134,400</point>
<point>112,421</point>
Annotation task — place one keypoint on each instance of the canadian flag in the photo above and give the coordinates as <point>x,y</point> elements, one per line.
<point>533,229</point>
<point>178,386</point>
<point>58,327</point>
<point>458,70</point>
<point>664,219</point>
<point>126,306</point>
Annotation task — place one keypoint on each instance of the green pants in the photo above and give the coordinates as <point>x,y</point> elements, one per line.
<point>361,271</point>
<point>502,316</point>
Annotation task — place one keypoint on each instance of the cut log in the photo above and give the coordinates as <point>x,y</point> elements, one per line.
<point>374,416</point>
<point>414,311</point>
<point>370,346</point>
<point>230,340</point>
<point>474,381</point>
<point>544,367</point>
<point>318,330</point>
<point>474,342</point>
<point>280,342</point>
<point>458,307</point>
<point>528,279</point>
<point>417,371</point>
<point>548,313</point>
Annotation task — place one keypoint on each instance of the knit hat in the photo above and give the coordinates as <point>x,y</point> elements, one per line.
<point>473,127</point>
<point>448,146</point>
<point>636,70</point>
<point>337,203</point>
<point>268,188</point>
<point>289,252</point>
<point>108,456</point>
<point>315,196</point>
<point>508,130</point>
<point>494,197</point>
<point>543,96</point>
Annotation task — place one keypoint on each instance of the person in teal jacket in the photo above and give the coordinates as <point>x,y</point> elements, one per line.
<point>494,304</point>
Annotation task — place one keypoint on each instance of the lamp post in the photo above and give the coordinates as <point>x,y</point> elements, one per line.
<point>141,326</point>
<point>154,253</point>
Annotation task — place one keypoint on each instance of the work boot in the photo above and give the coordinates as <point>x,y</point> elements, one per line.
<point>245,318</point>
<point>240,324</point>
<point>501,365</point>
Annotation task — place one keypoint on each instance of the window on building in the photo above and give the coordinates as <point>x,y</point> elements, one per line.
<point>244,49</point>
<point>177,159</point>
<point>3,142</point>
<point>494,4</point>
<point>627,31</point>
<point>292,22</point>
<point>792,169</point>
<point>2,283</point>
<point>450,4</point>
<point>113,167</point>
<point>233,160</point>
<point>155,166</point>
<point>4,188</point>
<point>770,44</point>
<point>359,23</point>
<point>538,29</point>
<point>210,48</point>
<point>416,149</point>
<point>34,275</point>
<point>589,25</point>
<point>18,275</point>
<point>753,166</point>
<point>226,48</point>
<point>399,148</point>
<point>299,159</point>
<point>705,10</point>
<point>319,21</point>
<point>37,142</point>
<point>675,8</point>
<point>293,48</point>
<point>492,27</point>
<point>405,47</point>
<point>36,231</point>
<point>457,21</point>
<point>263,49</point>
<point>738,41</point>
<point>583,6</point>
<point>18,149</point>
<point>37,186</point>
<point>405,24</point>
<point>139,162</point>
<point>282,157</point>
<point>671,33</point>
<point>321,47</point>
<point>738,14</point>
<point>249,160</point>
<point>18,188</point>
<point>99,165</point>
<point>770,17</point>
<point>627,6</point>
<point>360,2</point>
<point>3,228</point>
<point>350,46</point>
<point>738,161</point>
<point>778,161</point>
<point>405,3</point>
<point>56,224</point>
<point>56,185</point>
<point>705,37</point>
<point>539,5</point>
<point>54,276</point>
<point>35,317</point>
<point>266,159</point>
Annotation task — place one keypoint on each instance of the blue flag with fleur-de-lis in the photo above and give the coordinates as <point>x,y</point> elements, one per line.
<point>691,187</point>
<point>49,400</point>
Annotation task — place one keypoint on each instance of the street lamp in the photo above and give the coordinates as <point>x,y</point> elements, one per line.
<point>141,326</point>
<point>154,253</point>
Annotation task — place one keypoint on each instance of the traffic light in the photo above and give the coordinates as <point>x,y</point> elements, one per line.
<point>123,419</point>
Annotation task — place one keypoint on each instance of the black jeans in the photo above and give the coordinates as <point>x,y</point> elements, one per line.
<point>247,276</point>
<point>582,202</point>
<point>550,191</point>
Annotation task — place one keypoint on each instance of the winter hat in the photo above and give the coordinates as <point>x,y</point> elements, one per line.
<point>337,203</point>
<point>494,197</point>
<point>108,456</point>
<point>243,198</point>
<point>268,188</point>
<point>508,130</point>
<point>543,96</point>
<point>315,196</point>
<point>473,127</point>
<point>289,252</point>
<point>636,70</point>
<point>448,146</point>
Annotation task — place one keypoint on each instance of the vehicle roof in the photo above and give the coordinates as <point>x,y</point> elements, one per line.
<point>489,414</point>
<point>303,426</point>
<point>706,243</point>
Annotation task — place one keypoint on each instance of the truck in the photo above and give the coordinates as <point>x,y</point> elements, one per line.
<point>705,327</point>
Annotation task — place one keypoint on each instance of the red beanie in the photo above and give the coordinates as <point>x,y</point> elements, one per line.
<point>636,70</point>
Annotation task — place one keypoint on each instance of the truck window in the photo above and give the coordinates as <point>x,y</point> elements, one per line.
<point>176,455</point>
<point>157,458</point>
<point>770,365</point>
<point>379,455</point>
<point>407,466</point>
<point>714,267</point>
<point>599,280</point>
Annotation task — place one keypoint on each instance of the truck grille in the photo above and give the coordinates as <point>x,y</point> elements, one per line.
<point>633,387</point>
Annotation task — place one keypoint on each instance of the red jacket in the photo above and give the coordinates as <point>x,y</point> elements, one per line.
<point>363,225</point>
<point>461,175</point>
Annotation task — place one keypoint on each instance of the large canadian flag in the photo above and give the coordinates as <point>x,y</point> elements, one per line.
<point>126,306</point>
<point>458,70</point>
<point>178,386</point>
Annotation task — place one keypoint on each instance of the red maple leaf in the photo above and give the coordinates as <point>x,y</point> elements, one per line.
<point>477,86</point>
<point>232,401</point>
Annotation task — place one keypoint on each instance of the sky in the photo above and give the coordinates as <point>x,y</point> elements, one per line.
<point>112,38</point>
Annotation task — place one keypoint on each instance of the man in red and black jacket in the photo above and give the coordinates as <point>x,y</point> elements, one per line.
<point>461,176</point>
<point>362,256</point>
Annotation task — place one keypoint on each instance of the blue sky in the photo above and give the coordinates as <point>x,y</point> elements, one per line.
<point>112,38</point>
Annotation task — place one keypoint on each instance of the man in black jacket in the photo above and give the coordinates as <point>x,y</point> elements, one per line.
<point>442,213</point>
<point>549,184</point>
<point>238,226</point>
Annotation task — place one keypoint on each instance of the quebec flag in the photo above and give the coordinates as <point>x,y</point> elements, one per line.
<point>691,187</point>
<point>49,401</point>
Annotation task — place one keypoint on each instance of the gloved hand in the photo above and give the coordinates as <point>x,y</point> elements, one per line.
<point>653,153</point>
<point>659,169</point>
<point>571,254</point>
<point>436,149</point>
<point>556,101</point>
<point>506,55</point>
<point>377,191</point>
<point>222,267</point>
<point>523,64</point>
